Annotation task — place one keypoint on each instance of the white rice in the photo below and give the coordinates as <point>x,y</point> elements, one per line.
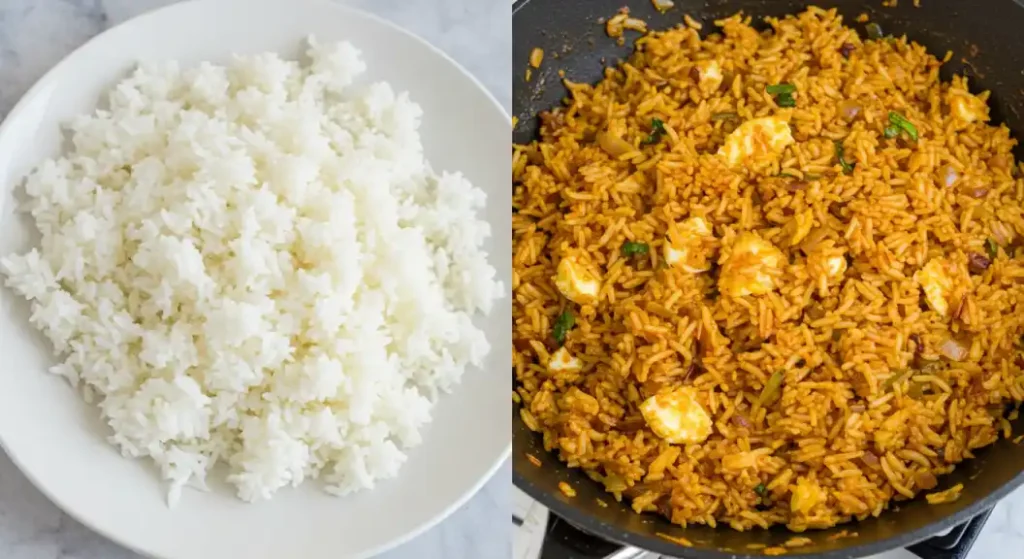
<point>255,265</point>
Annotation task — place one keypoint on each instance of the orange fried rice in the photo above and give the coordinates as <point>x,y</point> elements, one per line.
<point>768,277</point>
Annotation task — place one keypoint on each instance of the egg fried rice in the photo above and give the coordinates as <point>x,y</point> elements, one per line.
<point>769,277</point>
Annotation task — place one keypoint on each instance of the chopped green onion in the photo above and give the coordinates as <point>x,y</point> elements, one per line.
<point>893,379</point>
<point>874,31</point>
<point>785,100</point>
<point>770,389</point>
<point>760,489</point>
<point>724,116</point>
<point>896,119</point>
<point>563,324</point>
<point>847,166</point>
<point>657,129</point>
<point>992,248</point>
<point>631,248</point>
<point>783,93</point>
<point>781,88</point>
<point>891,131</point>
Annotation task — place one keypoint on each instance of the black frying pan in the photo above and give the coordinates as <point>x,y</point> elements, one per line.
<point>987,39</point>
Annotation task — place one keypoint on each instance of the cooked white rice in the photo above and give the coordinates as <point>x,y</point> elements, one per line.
<point>255,265</point>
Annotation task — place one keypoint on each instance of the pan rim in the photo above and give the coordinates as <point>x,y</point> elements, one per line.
<point>586,521</point>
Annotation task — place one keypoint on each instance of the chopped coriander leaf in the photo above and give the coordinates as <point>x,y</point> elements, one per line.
<point>991,248</point>
<point>896,119</point>
<point>874,31</point>
<point>657,129</point>
<point>631,248</point>
<point>781,88</point>
<point>771,388</point>
<point>847,166</point>
<point>563,324</point>
<point>760,489</point>
<point>891,131</point>
<point>785,100</point>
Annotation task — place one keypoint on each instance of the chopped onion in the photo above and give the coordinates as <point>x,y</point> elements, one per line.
<point>742,421</point>
<point>953,350</point>
<point>614,145</point>
<point>869,459</point>
<point>849,109</point>
<point>950,176</point>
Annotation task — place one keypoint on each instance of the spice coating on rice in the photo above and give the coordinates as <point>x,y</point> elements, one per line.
<point>802,298</point>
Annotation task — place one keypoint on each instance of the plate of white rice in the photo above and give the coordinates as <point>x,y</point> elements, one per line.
<point>254,282</point>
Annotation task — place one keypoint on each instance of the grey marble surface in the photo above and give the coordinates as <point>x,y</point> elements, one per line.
<point>36,34</point>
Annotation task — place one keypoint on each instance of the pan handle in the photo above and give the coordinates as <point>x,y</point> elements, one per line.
<point>954,545</point>
<point>562,540</point>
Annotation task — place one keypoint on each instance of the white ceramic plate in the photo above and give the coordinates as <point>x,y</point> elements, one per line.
<point>59,442</point>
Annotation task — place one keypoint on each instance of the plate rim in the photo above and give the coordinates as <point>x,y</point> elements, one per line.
<point>40,85</point>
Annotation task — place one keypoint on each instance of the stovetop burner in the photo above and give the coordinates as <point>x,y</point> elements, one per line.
<point>561,540</point>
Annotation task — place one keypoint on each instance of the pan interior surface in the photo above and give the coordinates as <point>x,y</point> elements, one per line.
<point>574,41</point>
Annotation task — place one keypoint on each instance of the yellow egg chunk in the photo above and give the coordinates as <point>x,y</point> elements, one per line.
<point>677,416</point>
<point>563,362</point>
<point>807,494</point>
<point>710,75</point>
<point>936,280</point>
<point>802,224</point>
<point>689,249</point>
<point>751,268</point>
<point>577,283</point>
<point>965,106</point>
<point>756,140</point>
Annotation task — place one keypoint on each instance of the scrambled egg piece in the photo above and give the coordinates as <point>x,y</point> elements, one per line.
<point>807,494</point>
<point>936,280</point>
<point>563,362</point>
<point>966,107</point>
<point>689,249</point>
<point>677,416</point>
<point>801,226</point>
<point>709,75</point>
<point>751,268</point>
<point>756,139</point>
<point>830,266</point>
<point>576,282</point>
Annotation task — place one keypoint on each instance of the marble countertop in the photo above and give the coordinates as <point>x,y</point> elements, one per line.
<point>35,35</point>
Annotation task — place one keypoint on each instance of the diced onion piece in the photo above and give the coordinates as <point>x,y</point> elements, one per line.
<point>614,145</point>
<point>953,350</point>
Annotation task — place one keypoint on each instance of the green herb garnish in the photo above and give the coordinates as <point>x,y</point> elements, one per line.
<point>895,377</point>
<point>891,131</point>
<point>992,248</point>
<point>657,129</point>
<point>900,121</point>
<point>563,324</point>
<point>783,93</point>
<point>760,489</point>
<point>874,31</point>
<point>847,165</point>
<point>631,248</point>
<point>785,100</point>
<point>781,88</point>
<point>771,388</point>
